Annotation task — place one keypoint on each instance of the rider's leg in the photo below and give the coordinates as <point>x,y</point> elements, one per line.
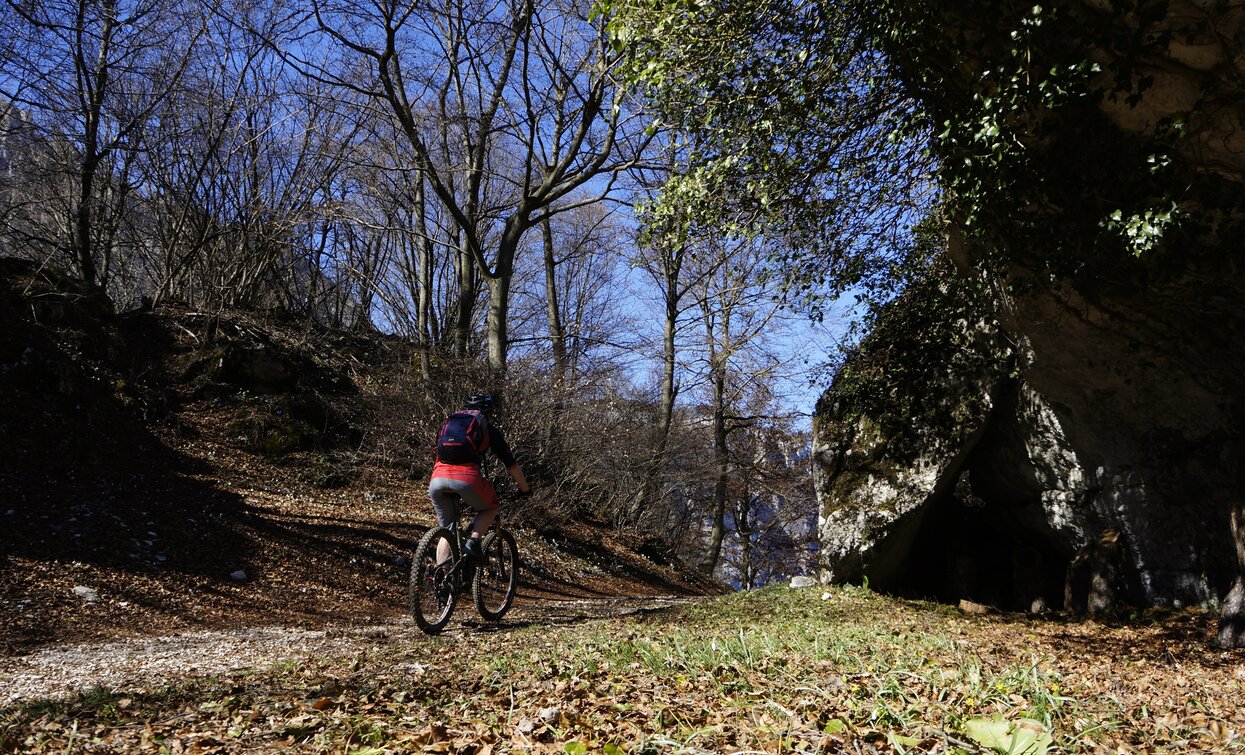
<point>484,519</point>
<point>445,495</point>
<point>486,505</point>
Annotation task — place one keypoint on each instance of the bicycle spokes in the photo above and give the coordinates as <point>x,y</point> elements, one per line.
<point>440,575</point>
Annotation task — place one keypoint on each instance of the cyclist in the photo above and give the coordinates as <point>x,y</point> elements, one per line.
<point>461,443</point>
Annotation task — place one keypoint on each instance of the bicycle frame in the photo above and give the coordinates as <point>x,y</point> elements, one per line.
<point>461,568</point>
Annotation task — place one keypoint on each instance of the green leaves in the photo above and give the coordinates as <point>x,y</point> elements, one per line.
<point>784,126</point>
<point>1142,231</point>
<point>1021,737</point>
<point>834,726</point>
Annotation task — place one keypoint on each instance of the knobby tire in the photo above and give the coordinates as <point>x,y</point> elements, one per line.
<point>496,582</point>
<point>433,594</point>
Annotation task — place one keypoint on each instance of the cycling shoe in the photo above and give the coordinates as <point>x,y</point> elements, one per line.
<point>473,550</point>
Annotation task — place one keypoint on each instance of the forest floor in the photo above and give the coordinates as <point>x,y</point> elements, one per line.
<point>180,472</point>
<point>219,537</point>
<point>776,670</point>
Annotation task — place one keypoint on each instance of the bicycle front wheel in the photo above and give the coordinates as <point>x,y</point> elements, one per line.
<point>497,579</point>
<point>433,589</point>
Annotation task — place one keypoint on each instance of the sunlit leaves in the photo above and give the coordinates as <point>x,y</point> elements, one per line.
<point>789,129</point>
<point>1143,230</point>
<point>1021,737</point>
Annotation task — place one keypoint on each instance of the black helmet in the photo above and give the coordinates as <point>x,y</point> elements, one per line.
<point>480,401</point>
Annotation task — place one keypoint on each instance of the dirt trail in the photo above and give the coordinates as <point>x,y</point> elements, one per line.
<point>148,663</point>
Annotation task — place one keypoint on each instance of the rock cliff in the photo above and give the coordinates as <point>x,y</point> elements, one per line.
<point>1060,419</point>
<point>1101,383</point>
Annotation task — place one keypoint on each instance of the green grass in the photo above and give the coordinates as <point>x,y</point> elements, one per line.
<point>778,640</point>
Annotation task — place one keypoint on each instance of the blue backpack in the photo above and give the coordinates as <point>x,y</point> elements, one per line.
<point>463,437</point>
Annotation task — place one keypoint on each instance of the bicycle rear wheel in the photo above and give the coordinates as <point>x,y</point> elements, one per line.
<point>497,579</point>
<point>433,589</point>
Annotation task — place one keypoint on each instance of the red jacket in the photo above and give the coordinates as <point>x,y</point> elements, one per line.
<point>470,473</point>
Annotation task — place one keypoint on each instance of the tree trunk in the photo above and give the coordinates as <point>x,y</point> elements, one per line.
<point>557,335</point>
<point>499,294</point>
<point>721,466</point>
<point>466,299</point>
<point>498,310</point>
<point>557,338</point>
<point>91,156</point>
<point>668,390</point>
<point>83,256</point>
<point>743,535</point>
<point>423,316</point>
<point>647,491</point>
<point>1232,615</point>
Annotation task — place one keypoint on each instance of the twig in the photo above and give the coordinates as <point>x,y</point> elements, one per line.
<point>189,332</point>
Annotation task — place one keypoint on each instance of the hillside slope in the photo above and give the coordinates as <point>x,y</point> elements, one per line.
<point>176,470</point>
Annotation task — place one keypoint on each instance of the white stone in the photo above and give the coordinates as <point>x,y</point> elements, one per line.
<point>238,576</point>
<point>802,581</point>
<point>87,595</point>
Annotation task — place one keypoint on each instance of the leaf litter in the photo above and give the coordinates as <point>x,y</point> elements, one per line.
<point>775,670</point>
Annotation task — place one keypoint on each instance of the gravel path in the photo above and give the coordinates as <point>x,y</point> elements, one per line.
<point>147,663</point>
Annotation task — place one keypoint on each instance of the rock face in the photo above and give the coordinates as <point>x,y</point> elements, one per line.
<point>1098,417</point>
<point>1147,387</point>
<point>1097,449</point>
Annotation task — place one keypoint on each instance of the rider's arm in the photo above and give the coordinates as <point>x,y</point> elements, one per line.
<point>517,474</point>
<point>497,443</point>
<point>500,448</point>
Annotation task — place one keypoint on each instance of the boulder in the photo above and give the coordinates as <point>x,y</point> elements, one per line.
<point>1100,461</point>
<point>253,368</point>
<point>1086,462</point>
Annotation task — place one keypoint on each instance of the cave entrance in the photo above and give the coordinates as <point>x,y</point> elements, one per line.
<point>999,553</point>
<point>982,535</point>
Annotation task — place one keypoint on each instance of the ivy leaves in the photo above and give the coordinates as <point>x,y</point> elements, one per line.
<point>1016,97</point>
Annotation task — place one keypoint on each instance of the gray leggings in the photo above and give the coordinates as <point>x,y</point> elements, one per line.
<point>446,494</point>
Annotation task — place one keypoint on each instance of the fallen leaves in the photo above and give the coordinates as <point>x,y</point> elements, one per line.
<point>754,673</point>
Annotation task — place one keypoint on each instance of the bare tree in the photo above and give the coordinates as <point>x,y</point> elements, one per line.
<point>254,182</point>
<point>665,253</point>
<point>92,74</point>
<point>525,112</point>
<point>771,511</point>
<point>579,251</point>
<point>736,307</point>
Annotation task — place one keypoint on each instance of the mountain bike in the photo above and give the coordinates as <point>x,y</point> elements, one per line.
<point>436,585</point>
